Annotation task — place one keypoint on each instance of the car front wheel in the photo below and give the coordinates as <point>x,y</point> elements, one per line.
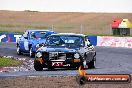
<point>37,66</point>
<point>19,51</point>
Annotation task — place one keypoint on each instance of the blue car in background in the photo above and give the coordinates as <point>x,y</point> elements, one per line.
<point>30,39</point>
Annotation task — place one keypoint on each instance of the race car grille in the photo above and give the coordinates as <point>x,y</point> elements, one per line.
<point>59,55</point>
<point>70,55</point>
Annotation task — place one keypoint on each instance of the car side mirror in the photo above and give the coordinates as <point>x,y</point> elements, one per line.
<point>89,45</point>
<point>26,37</point>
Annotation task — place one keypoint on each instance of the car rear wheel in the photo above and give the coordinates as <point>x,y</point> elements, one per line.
<point>31,53</point>
<point>37,66</point>
<point>19,51</point>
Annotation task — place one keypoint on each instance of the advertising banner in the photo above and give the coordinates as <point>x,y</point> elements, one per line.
<point>114,41</point>
<point>9,37</point>
<point>12,37</point>
<point>93,40</point>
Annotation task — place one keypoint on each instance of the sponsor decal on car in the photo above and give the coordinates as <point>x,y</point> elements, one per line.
<point>57,63</point>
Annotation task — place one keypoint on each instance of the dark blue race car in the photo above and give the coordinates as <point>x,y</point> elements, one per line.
<point>30,39</point>
<point>65,50</point>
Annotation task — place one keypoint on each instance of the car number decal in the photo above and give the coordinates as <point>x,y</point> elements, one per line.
<point>26,45</point>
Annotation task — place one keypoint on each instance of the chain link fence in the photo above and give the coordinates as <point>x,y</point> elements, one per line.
<point>87,29</point>
<point>82,29</point>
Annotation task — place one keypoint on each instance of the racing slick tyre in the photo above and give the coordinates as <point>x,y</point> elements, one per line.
<point>37,66</point>
<point>91,64</point>
<point>90,61</point>
<point>19,51</point>
<point>31,53</point>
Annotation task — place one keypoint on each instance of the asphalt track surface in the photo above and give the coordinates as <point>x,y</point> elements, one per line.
<point>109,61</point>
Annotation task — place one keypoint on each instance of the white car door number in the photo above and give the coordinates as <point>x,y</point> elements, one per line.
<point>26,45</point>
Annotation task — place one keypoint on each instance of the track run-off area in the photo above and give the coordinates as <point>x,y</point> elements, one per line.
<point>110,60</point>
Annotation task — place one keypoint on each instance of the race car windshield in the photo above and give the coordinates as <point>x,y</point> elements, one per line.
<point>38,34</point>
<point>64,40</point>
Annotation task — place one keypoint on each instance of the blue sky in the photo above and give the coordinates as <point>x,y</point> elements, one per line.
<point>68,5</point>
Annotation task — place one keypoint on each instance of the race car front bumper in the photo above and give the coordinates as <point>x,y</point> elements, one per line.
<point>69,63</point>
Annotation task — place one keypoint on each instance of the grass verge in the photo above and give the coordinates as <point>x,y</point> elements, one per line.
<point>8,62</point>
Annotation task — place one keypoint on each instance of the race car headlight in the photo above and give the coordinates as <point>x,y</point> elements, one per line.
<point>39,54</point>
<point>37,45</point>
<point>40,45</point>
<point>76,56</point>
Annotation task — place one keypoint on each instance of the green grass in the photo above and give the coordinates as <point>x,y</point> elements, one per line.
<point>92,23</point>
<point>26,26</point>
<point>6,31</point>
<point>8,62</point>
<point>70,28</point>
<point>19,28</point>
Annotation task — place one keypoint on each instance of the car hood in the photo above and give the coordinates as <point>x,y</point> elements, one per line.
<point>57,49</point>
